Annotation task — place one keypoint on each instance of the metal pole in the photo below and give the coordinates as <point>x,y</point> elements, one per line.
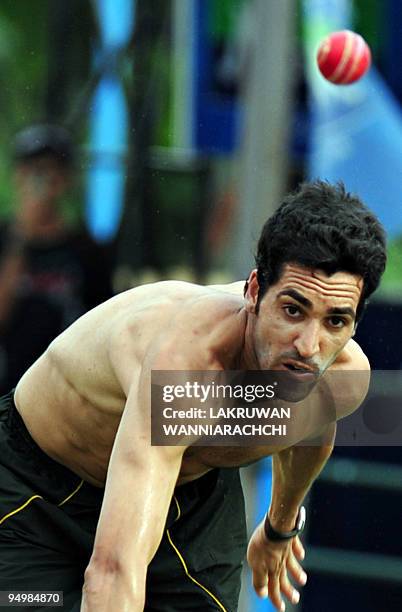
<point>183,74</point>
<point>268,106</point>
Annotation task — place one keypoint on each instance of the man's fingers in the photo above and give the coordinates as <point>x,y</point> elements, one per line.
<point>287,588</point>
<point>296,571</point>
<point>274,592</point>
<point>298,548</point>
<point>260,582</point>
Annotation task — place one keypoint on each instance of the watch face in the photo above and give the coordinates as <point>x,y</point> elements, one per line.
<point>301,519</point>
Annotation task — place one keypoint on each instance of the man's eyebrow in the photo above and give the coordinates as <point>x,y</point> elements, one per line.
<point>296,296</point>
<point>343,311</point>
<point>347,310</point>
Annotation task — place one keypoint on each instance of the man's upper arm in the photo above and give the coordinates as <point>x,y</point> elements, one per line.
<point>339,392</point>
<point>141,478</point>
<point>349,379</point>
<point>139,487</point>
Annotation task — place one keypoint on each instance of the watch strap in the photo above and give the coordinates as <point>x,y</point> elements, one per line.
<point>277,536</point>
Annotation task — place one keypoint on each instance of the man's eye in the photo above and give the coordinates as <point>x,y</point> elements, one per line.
<point>292,311</point>
<point>337,322</point>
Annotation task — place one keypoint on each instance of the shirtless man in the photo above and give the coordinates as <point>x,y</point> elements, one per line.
<point>75,436</point>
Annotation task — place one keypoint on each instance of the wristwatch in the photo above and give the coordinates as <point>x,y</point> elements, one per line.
<point>277,536</point>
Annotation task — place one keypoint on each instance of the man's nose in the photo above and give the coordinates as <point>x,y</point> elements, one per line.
<point>307,342</point>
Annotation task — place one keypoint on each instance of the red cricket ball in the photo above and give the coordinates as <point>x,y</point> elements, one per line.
<point>343,57</point>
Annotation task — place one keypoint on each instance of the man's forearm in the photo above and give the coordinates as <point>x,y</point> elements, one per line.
<point>113,588</point>
<point>130,527</point>
<point>294,471</point>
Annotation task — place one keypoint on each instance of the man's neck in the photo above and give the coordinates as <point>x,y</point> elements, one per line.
<point>247,357</point>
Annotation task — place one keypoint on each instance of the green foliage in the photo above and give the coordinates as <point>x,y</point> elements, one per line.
<point>223,17</point>
<point>369,22</point>
<point>23,67</point>
<point>175,216</point>
<point>392,279</point>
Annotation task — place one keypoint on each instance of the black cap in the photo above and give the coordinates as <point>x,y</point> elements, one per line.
<point>43,139</point>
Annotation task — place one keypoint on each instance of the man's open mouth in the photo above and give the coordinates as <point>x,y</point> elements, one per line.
<point>299,369</point>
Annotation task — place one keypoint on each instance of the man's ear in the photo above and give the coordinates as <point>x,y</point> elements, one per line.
<point>251,295</point>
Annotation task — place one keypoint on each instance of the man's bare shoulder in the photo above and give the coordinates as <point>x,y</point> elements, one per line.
<point>175,325</point>
<point>148,310</point>
<point>236,288</point>
<point>348,379</point>
<point>187,324</point>
<point>352,357</point>
<point>178,289</point>
<point>206,326</point>
<point>186,299</point>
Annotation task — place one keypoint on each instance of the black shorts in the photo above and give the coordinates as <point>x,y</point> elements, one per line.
<point>48,518</point>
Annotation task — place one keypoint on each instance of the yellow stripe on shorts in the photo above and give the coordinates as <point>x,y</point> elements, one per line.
<point>184,564</point>
<point>24,505</point>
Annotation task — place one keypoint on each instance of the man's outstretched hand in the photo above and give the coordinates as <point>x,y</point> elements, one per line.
<point>272,563</point>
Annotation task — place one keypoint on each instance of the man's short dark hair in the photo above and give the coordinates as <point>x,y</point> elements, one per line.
<point>323,226</point>
<point>44,139</point>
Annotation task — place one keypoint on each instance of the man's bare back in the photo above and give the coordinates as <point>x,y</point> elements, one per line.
<point>72,398</point>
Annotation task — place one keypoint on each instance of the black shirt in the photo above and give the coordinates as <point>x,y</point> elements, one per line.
<point>63,278</point>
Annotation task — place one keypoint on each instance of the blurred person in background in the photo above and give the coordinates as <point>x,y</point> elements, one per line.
<point>50,271</point>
